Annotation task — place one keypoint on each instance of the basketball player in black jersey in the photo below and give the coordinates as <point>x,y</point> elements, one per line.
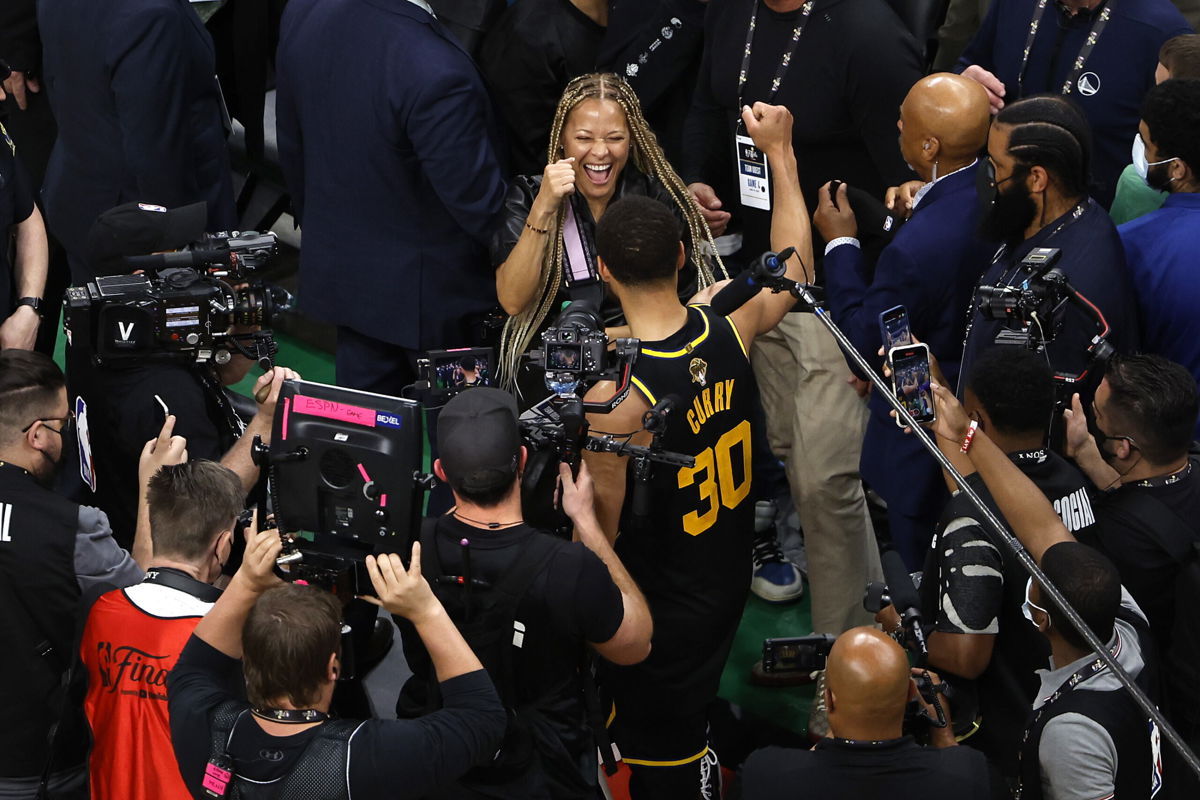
<point>691,553</point>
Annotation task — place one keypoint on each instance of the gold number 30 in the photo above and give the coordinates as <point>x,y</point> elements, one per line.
<point>718,487</point>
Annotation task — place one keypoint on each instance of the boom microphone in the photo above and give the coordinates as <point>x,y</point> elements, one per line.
<point>750,281</point>
<point>904,596</point>
<point>177,258</point>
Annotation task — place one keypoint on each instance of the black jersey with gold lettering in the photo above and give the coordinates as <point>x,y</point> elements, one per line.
<point>693,552</point>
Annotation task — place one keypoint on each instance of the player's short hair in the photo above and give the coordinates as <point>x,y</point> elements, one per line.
<point>1091,585</point>
<point>1048,131</point>
<point>190,505</point>
<point>1154,401</point>
<point>29,387</point>
<point>1171,112</point>
<point>1015,387</point>
<point>467,362</point>
<point>1181,55</point>
<point>638,239</point>
<point>286,643</point>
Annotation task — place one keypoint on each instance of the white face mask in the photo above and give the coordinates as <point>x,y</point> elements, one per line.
<point>1140,165</point>
<point>1028,607</point>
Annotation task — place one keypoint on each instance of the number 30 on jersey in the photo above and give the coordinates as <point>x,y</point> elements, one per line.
<point>719,483</point>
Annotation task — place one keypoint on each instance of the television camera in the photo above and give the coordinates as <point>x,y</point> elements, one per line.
<point>189,305</point>
<point>1034,311</point>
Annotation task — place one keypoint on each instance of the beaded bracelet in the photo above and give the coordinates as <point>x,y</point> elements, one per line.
<point>536,230</point>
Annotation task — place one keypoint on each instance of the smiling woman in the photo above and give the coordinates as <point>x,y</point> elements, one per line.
<point>600,150</point>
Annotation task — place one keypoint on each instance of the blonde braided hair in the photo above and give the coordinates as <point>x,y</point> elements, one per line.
<point>648,157</point>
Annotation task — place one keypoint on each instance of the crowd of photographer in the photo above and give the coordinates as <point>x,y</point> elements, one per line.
<point>619,391</point>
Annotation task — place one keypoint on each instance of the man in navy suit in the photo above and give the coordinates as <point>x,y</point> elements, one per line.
<point>139,113</point>
<point>388,143</point>
<point>1100,53</point>
<point>930,268</point>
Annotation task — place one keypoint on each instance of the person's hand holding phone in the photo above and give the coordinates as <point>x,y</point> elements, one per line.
<point>952,422</point>
<point>166,449</point>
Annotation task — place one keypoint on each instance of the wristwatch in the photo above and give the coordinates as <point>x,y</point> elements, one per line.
<point>33,302</point>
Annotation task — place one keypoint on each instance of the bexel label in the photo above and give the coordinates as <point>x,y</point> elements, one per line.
<point>387,420</point>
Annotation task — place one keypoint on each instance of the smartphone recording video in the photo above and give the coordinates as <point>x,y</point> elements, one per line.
<point>893,327</point>
<point>911,379</point>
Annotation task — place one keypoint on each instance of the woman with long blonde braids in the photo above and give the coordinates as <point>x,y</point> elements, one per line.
<point>601,149</point>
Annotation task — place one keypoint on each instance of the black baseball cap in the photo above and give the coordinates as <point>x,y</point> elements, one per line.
<point>138,229</point>
<point>479,441</point>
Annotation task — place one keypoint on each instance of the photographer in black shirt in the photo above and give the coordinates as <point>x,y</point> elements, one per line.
<point>533,604</point>
<point>1148,501</point>
<point>282,743</point>
<point>867,688</point>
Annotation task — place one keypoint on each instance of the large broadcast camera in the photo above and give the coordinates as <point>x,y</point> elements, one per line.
<point>187,305</point>
<point>1033,311</point>
<point>574,353</point>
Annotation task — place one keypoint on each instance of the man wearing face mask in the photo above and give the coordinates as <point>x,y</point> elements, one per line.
<point>1034,189</point>
<point>1145,411</point>
<point>1086,738</point>
<point>1178,58</point>
<point>973,586</point>
<point>930,269</point>
<point>1161,247</point>
<point>51,551</point>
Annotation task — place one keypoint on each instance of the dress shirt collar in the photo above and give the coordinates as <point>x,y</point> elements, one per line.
<point>924,190</point>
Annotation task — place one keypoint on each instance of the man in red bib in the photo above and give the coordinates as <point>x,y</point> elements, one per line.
<point>133,636</point>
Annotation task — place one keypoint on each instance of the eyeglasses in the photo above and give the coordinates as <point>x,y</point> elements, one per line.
<point>67,427</point>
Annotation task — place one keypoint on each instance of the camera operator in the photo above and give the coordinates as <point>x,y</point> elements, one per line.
<point>868,686</point>
<point>973,589</point>
<point>287,640</point>
<point>691,553</point>
<point>133,636</point>
<point>1145,411</point>
<point>51,551</point>
<point>123,403</point>
<point>1035,180</point>
<point>560,595</point>
<point>1087,737</point>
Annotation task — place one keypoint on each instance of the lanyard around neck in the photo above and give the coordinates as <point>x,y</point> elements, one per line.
<point>784,63</point>
<point>1088,45</point>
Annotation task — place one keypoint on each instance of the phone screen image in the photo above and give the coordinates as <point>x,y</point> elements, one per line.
<point>911,380</point>
<point>893,326</point>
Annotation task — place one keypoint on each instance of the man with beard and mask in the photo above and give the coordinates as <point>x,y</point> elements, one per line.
<point>52,551</point>
<point>929,268</point>
<point>1034,190</point>
<point>1145,411</point>
<point>1161,247</point>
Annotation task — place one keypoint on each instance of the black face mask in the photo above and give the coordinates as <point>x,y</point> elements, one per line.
<point>1157,177</point>
<point>1008,215</point>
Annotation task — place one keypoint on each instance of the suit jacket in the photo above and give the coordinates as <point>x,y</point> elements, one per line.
<point>931,268</point>
<point>388,142</point>
<point>132,86</point>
